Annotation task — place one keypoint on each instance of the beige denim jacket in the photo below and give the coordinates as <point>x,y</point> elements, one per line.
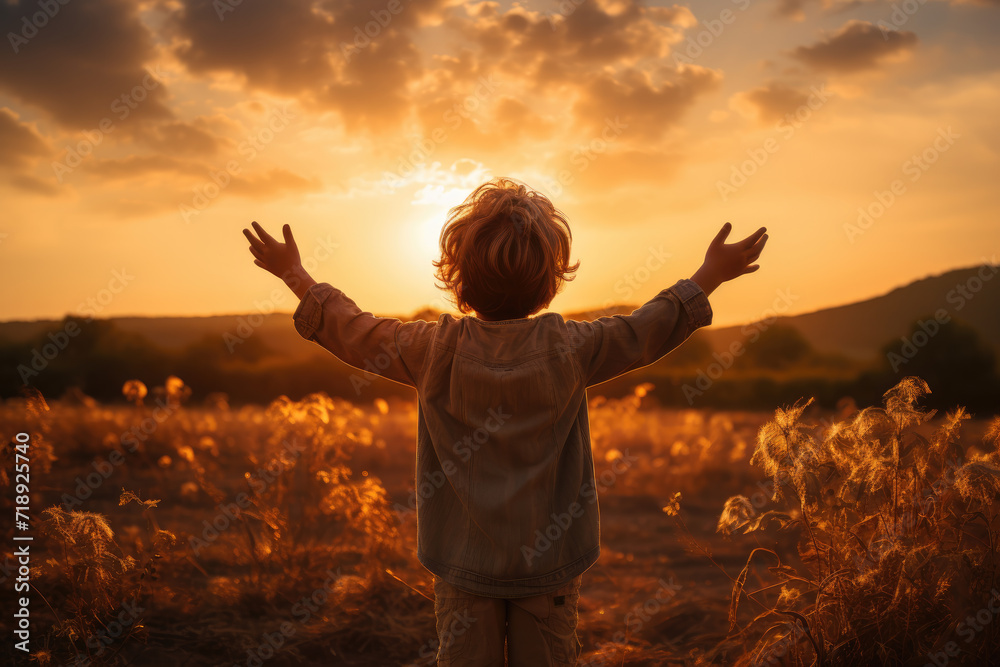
<point>505,490</point>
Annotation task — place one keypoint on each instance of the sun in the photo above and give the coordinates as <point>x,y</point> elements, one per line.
<point>427,234</point>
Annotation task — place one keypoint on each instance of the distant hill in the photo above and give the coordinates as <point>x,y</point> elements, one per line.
<point>856,330</point>
<point>859,330</point>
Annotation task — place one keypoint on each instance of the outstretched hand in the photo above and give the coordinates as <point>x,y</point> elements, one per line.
<point>726,261</point>
<point>281,259</point>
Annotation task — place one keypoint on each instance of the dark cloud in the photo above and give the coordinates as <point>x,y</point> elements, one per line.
<point>559,48</point>
<point>594,58</point>
<point>183,138</point>
<point>647,109</point>
<point>279,46</point>
<point>21,148</point>
<point>772,101</point>
<point>360,60</point>
<point>856,46</point>
<point>77,62</point>
<point>329,55</point>
<point>20,143</point>
<point>791,9</point>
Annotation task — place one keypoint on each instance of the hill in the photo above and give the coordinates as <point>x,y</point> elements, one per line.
<point>856,330</point>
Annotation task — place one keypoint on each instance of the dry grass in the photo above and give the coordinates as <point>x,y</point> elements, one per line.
<point>223,524</point>
<point>896,534</point>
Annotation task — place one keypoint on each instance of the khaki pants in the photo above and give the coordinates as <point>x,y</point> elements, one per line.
<point>539,631</point>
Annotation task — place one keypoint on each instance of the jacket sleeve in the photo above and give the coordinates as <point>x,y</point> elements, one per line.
<point>609,346</point>
<point>384,346</point>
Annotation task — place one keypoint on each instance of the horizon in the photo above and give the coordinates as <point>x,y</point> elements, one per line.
<point>789,313</point>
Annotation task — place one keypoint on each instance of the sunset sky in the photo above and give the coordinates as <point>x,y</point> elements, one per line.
<point>141,137</point>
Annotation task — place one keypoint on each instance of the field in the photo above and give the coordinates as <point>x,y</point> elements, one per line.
<point>168,533</point>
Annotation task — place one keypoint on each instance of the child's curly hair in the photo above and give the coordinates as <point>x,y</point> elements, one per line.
<point>505,251</point>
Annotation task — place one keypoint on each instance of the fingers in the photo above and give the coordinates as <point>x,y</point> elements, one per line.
<point>256,252</point>
<point>757,248</point>
<point>287,231</point>
<point>751,268</point>
<point>260,264</point>
<point>723,234</point>
<point>753,238</point>
<point>264,236</point>
<point>254,242</point>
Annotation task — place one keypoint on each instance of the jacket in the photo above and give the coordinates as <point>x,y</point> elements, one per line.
<point>505,491</point>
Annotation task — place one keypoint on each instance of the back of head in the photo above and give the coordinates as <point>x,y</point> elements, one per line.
<point>505,251</point>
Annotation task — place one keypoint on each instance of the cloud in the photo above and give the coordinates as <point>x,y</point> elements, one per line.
<point>255,186</point>
<point>791,9</point>
<point>857,46</point>
<point>549,51</point>
<point>21,147</point>
<point>281,47</point>
<point>770,102</point>
<point>79,61</point>
<point>515,119</point>
<point>272,183</point>
<point>184,138</point>
<point>331,56</point>
<point>19,143</point>
<point>646,108</point>
<point>141,166</point>
<point>366,66</point>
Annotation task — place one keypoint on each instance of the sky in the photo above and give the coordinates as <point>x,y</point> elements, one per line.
<point>137,140</point>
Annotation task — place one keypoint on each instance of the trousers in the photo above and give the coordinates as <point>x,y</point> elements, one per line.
<point>477,631</point>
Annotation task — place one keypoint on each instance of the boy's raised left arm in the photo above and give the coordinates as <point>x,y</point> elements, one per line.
<point>381,345</point>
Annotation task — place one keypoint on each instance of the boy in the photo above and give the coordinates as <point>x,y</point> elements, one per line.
<point>502,412</point>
